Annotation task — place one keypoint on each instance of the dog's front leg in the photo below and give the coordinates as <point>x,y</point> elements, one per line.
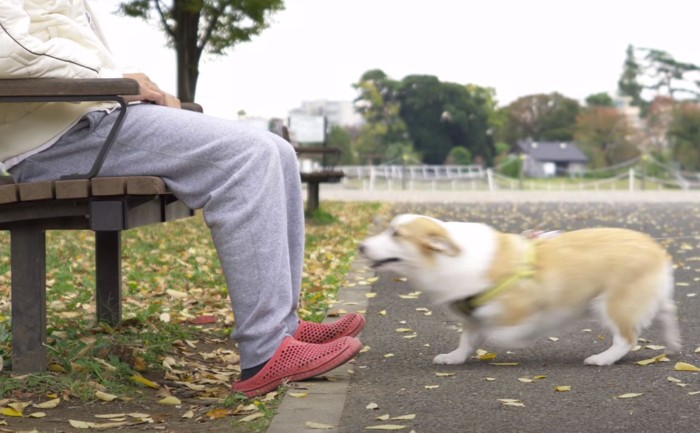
<point>467,345</point>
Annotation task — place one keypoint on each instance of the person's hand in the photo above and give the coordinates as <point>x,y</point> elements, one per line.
<point>149,91</point>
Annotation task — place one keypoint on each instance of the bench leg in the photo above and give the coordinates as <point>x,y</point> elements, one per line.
<point>108,257</point>
<point>312,200</point>
<point>28,256</point>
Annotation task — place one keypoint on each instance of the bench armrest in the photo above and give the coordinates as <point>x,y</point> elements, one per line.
<point>37,87</point>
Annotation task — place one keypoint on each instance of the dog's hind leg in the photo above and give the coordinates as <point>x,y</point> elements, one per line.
<point>668,316</point>
<point>467,345</point>
<point>624,326</point>
<point>669,320</point>
<point>620,347</point>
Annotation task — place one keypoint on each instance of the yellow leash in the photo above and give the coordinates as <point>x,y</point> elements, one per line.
<point>468,305</point>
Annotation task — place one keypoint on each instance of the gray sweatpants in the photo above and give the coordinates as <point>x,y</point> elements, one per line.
<point>246,181</point>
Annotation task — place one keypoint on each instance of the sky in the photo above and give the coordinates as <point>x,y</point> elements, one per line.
<point>317,49</point>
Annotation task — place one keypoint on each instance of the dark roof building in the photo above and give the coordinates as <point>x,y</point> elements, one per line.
<point>546,159</point>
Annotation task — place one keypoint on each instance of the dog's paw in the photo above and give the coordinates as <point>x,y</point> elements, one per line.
<point>451,358</point>
<point>599,359</point>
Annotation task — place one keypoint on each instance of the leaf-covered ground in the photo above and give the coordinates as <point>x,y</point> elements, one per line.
<point>169,365</point>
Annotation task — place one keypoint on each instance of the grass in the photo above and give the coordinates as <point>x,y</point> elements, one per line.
<point>171,279</point>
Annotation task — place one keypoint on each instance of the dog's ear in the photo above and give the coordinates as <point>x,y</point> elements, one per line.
<point>430,235</point>
<point>441,244</point>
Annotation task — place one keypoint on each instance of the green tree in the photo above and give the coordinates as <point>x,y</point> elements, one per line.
<point>684,135</point>
<point>340,138</point>
<point>628,84</point>
<point>604,134</point>
<point>440,116</point>
<point>459,155</point>
<point>377,103</point>
<point>541,117</point>
<point>599,100</point>
<point>193,27</point>
<point>669,76</point>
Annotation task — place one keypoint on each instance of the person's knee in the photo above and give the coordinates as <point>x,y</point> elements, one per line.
<point>286,150</point>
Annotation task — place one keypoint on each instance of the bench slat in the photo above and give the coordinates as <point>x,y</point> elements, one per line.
<point>145,185</point>
<point>75,188</point>
<point>106,186</point>
<point>9,193</point>
<point>36,191</point>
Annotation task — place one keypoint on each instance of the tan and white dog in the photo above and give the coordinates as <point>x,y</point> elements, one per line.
<point>508,289</point>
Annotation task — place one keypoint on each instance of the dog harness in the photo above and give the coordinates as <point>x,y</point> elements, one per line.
<point>467,305</point>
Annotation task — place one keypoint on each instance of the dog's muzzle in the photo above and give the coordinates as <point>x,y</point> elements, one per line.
<point>377,263</point>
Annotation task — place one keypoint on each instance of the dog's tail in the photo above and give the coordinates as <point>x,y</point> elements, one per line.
<point>668,315</point>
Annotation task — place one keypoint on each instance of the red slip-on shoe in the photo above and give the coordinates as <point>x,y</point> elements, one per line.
<point>295,360</point>
<point>310,332</point>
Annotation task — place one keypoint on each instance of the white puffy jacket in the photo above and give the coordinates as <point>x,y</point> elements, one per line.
<point>42,39</point>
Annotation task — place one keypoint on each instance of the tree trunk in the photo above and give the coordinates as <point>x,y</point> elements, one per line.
<point>187,49</point>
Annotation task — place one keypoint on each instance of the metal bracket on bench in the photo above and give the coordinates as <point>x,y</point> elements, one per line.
<point>97,165</point>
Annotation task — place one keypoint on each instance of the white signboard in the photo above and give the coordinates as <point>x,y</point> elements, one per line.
<point>307,128</point>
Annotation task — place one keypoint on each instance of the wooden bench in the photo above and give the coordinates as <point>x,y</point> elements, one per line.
<point>79,202</point>
<point>327,174</point>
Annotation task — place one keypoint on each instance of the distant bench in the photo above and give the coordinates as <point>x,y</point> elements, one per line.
<point>79,202</point>
<point>327,174</point>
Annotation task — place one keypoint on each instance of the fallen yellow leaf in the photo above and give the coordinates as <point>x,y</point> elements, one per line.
<point>654,347</point>
<point>80,424</point>
<point>405,417</point>
<point>142,380</point>
<point>8,411</point>
<point>252,417</point>
<point>218,413</point>
<point>37,415</point>
<point>654,360</point>
<point>50,404</point>
<point>511,402</point>
<point>19,406</point>
<point>386,427</point>
<point>630,395</point>
<point>170,400</point>
<point>298,394</point>
<point>563,388</point>
<point>318,425</point>
<point>104,396</point>
<point>487,356</point>
<point>684,366</point>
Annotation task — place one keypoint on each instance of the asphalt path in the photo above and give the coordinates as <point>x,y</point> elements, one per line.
<point>396,377</point>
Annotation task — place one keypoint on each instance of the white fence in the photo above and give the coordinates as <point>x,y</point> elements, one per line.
<point>476,178</point>
<point>371,177</point>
